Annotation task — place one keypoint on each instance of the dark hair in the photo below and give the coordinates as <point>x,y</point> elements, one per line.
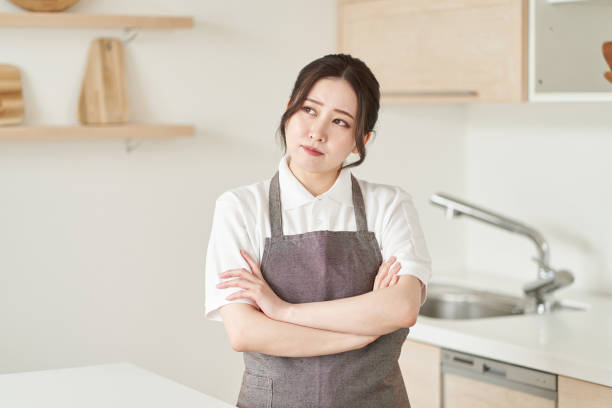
<point>361,79</point>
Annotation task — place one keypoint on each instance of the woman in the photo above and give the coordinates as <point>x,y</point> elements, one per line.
<point>295,267</point>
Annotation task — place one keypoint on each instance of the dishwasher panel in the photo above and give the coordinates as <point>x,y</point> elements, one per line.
<point>473,381</point>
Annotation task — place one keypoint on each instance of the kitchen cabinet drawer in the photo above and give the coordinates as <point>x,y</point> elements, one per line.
<point>420,365</point>
<point>575,393</point>
<point>443,50</point>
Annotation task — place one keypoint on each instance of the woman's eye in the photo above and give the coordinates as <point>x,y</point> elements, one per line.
<point>307,109</point>
<point>343,122</point>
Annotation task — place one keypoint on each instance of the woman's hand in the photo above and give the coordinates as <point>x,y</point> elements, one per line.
<point>255,288</point>
<point>386,278</point>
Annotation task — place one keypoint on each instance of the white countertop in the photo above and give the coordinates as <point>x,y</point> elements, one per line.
<point>573,343</point>
<point>109,385</point>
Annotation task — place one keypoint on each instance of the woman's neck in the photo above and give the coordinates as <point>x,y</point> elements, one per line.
<point>315,183</point>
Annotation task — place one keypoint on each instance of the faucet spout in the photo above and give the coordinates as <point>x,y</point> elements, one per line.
<point>548,278</point>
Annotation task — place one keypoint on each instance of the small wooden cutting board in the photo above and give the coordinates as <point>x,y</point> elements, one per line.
<point>607,53</point>
<point>104,98</point>
<point>11,97</point>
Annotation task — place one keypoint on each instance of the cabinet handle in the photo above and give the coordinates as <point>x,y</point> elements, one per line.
<point>463,360</point>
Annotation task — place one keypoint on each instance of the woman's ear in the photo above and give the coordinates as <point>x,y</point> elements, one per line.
<point>288,104</point>
<point>365,140</point>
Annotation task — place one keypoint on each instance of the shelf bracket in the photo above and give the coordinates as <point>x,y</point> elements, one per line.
<point>129,34</point>
<point>132,144</point>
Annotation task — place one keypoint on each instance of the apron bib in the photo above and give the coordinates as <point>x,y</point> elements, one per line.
<point>314,267</point>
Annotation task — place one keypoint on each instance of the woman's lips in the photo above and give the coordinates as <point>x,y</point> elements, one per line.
<point>311,151</point>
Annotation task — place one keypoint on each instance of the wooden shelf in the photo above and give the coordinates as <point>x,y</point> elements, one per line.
<point>96,132</point>
<point>77,20</point>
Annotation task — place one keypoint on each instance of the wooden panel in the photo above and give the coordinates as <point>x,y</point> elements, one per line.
<point>462,392</point>
<point>127,131</point>
<point>104,97</point>
<point>420,365</point>
<point>573,393</point>
<point>11,96</point>
<point>78,20</point>
<point>458,50</point>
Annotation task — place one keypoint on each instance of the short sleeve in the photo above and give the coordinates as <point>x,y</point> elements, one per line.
<point>403,238</point>
<point>229,234</point>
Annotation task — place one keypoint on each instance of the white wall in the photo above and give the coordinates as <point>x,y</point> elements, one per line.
<point>103,251</point>
<point>547,165</point>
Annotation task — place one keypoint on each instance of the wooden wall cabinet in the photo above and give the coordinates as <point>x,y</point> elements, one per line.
<point>440,51</point>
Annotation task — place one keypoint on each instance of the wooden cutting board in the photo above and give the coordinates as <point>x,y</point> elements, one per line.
<point>44,5</point>
<point>607,53</point>
<point>11,97</point>
<point>104,96</point>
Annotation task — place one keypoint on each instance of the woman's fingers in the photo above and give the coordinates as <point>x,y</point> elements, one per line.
<point>238,273</point>
<point>391,275</point>
<point>243,294</point>
<point>383,273</point>
<point>252,264</point>
<point>236,283</point>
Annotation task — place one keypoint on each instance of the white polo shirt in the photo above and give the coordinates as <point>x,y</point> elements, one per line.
<point>241,220</point>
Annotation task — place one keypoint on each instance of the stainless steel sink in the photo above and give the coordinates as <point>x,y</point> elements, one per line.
<point>445,301</point>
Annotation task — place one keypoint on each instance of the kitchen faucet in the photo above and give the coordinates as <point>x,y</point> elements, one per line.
<point>548,280</point>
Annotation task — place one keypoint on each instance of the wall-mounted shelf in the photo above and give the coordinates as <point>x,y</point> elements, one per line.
<point>77,20</point>
<point>96,132</point>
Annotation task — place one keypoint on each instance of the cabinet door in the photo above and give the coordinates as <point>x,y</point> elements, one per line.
<point>442,50</point>
<point>420,365</point>
<point>574,393</point>
<point>462,392</point>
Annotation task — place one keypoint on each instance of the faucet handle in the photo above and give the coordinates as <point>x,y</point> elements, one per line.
<point>559,279</point>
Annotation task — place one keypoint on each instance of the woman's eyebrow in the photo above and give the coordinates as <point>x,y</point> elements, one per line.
<point>337,110</point>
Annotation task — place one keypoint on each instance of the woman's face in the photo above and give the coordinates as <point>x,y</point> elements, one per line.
<point>325,122</point>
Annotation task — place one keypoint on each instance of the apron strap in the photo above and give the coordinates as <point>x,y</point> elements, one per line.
<point>276,219</point>
<point>359,206</point>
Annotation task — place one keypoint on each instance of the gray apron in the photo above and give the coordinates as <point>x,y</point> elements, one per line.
<point>314,267</point>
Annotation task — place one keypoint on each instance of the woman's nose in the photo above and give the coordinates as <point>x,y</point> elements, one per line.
<point>318,131</point>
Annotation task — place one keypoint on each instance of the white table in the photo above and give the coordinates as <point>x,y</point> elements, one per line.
<point>109,385</point>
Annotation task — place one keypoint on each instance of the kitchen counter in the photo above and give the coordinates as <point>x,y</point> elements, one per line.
<point>109,385</point>
<point>573,343</point>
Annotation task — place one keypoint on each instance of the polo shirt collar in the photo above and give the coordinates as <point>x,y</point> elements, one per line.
<point>294,194</point>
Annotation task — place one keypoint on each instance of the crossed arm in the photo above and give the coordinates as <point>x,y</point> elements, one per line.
<point>317,328</point>
<point>374,313</point>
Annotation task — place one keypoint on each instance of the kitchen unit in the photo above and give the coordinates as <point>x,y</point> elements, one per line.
<point>480,50</point>
<point>477,346</point>
<point>527,360</point>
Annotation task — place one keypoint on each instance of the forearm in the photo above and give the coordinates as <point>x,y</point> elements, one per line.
<point>374,313</point>
<point>264,335</point>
